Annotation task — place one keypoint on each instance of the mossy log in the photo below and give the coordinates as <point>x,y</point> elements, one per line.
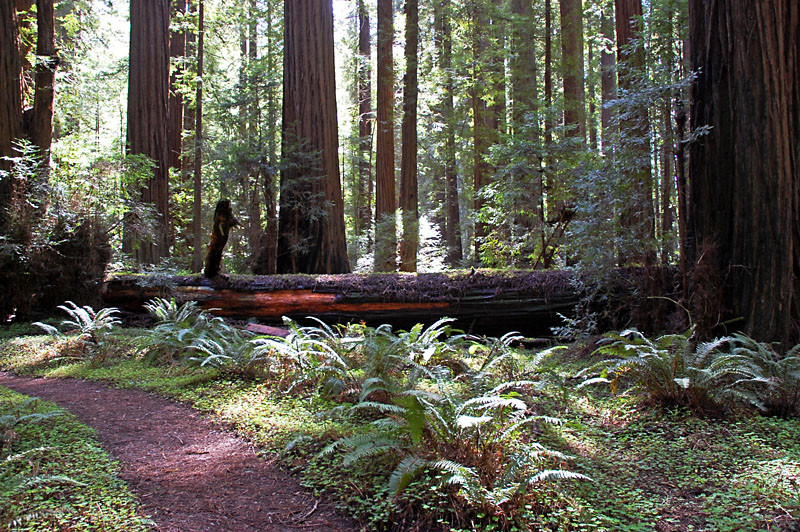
<point>528,301</point>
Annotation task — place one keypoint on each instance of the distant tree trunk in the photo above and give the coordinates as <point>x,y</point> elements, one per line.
<point>444,44</point>
<point>177,49</point>
<point>523,69</point>
<point>639,215</point>
<point>480,119</point>
<point>311,234</point>
<point>408,168</point>
<point>148,92</point>
<point>548,72</point>
<point>386,202</point>
<point>197,181</point>
<point>745,191</point>
<point>572,68</point>
<point>608,79</point>
<point>364,197</point>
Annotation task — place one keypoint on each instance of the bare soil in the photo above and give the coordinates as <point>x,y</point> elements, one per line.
<point>191,475</point>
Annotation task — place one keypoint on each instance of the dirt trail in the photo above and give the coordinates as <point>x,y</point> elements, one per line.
<point>191,475</point>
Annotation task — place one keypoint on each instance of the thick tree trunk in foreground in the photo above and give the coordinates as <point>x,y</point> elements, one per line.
<point>311,234</point>
<point>745,189</point>
<point>148,91</point>
<point>10,96</point>
<point>408,168</point>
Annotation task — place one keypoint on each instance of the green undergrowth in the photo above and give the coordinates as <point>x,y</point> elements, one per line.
<point>55,477</point>
<point>652,468</point>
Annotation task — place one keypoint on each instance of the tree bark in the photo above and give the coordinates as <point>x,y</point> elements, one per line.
<point>639,216</point>
<point>148,91</point>
<point>177,49</point>
<point>608,79</point>
<point>745,191</point>
<point>311,232</point>
<point>41,124</point>
<point>408,169</point>
<point>444,40</point>
<point>481,121</point>
<point>364,198</point>
<point>572,68</point>
<point>386,201</point>
<point>224,220</point>
<point>197,179</point>
<point>10,96</point>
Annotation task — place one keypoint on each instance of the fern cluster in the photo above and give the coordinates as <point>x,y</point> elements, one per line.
<point>674,369</point>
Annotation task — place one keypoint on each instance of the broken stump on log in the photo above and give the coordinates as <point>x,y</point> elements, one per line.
<point>224,220</point>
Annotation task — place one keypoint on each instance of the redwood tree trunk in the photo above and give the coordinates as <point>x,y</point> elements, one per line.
<point>197,171</point>
<point>408,168</point>
<point>745,191</point>
<point>364,198</point>
<point>480,119</point>
<point>608,80</point>
<point>572,67</point>
<point>148,90</point>
<point>386,202</point>
<point>10,95</point>
<point>41,125</point>
<point>444,41</point>
<point>177,49</point>
<point>639,216</point>
<point>311,234</point>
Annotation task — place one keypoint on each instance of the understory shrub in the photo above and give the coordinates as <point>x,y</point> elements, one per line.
<point>674,369</point>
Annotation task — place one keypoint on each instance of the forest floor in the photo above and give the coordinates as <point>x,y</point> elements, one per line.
<point>191,474</point>
<point>653,469</point>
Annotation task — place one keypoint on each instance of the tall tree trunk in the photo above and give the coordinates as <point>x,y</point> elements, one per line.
<point>608,79</point>
<point>408,168</point>
<point>524,93</point>
<point>745,191</point>
<point>10,92</point>
<point>548,72</point>
<point>639,216</point>
<point>311,234</point>
<point>364,196</point>
<point>148,92</point>
<point>572,68</point>
<point>480,119</point>
<point>444,43</point>
<point>41,124</point>
<point>386,202</point>
<point>10,99</point>
<point>177,49</point>
<point>197,181</point>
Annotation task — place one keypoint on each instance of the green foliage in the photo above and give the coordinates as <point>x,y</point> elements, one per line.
<point>675,370</point>
<point>776,379</point>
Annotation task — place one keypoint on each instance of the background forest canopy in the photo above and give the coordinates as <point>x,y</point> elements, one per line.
<point>495,133</point>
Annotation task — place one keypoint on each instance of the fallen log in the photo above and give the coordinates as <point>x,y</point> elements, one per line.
<point>487,301</point>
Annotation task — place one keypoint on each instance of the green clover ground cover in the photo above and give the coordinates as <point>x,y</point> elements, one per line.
<point>652,469</point>
<point>55,477</point>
